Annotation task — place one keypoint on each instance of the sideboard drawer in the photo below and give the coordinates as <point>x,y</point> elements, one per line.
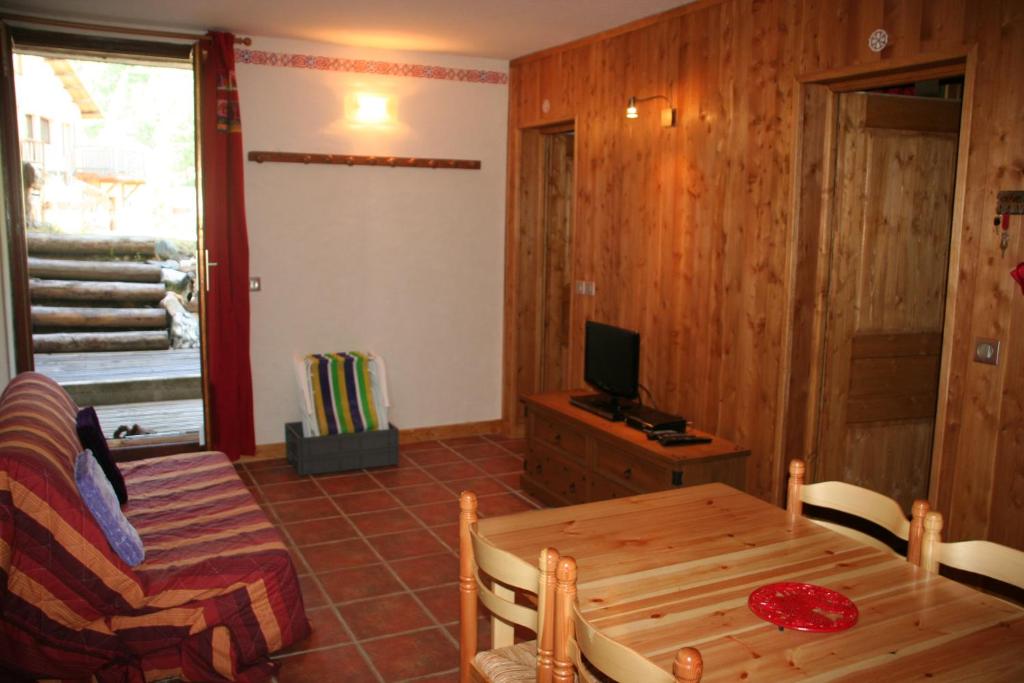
<point>634,472</point>
<point>534,463</point>
<point>602,488</point>
<point>562,477</point>
<point>560,436</point>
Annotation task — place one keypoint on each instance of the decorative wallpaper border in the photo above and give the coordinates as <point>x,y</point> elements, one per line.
<point>367,66</point>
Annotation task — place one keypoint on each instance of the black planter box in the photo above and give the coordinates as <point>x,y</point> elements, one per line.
<point>340,452</point>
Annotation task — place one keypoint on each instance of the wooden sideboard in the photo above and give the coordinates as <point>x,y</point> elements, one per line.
<point>576,457</point>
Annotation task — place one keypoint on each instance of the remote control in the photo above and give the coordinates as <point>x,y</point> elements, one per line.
<point>660,433</point>
<point>683,439</point>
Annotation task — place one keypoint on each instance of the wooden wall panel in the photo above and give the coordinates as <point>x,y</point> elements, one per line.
<point>811,252</point>
<point>976,450</point>
<point>689,232</point>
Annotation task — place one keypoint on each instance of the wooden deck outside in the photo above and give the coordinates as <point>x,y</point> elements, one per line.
<point>163,418</point>
<point>76,371</point>
<point>118,365</point>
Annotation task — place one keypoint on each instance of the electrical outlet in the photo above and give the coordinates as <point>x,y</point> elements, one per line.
<point>591,288</point>
<point>581,287</point>
<point>254,284</point>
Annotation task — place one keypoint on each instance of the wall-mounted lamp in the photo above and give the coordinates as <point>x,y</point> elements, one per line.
<point>368,109</point>
<point>668,114</point>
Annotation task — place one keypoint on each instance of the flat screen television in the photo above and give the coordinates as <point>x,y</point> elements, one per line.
<point>611,361</point>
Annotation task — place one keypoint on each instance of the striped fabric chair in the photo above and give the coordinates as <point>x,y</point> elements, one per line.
<point>216,594</point>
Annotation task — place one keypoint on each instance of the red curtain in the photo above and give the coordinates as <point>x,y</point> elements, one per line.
<point>228,371</point>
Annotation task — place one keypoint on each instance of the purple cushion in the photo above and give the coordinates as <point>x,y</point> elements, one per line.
<point>99,497</point>
<point>91,436</point>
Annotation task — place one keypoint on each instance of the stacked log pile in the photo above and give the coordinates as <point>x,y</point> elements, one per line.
<point>98,293</point>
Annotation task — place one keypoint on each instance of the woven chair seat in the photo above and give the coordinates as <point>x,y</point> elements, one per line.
<point>513,664</point>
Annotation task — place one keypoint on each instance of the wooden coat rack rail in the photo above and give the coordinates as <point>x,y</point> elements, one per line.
<point>356,160</point>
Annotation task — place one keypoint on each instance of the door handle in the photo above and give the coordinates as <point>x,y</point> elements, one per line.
<point>208,264</point>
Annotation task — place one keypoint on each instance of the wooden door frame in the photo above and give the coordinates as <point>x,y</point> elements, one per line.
<point>14,208</point>
<point>810,246</point>
<point>198,54</point>
<point>512,418</point>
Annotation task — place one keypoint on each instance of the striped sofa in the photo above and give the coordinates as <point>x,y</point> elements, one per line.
<point>216,594</point>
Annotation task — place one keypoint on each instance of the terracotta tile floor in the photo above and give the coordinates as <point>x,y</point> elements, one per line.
<point>377,556</point>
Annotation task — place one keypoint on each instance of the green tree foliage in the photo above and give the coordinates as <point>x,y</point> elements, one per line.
<point>146,107</point>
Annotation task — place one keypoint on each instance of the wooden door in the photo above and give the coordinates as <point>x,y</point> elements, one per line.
<point>538,336</point>
<point>896,162</point>
<point>557,274</point>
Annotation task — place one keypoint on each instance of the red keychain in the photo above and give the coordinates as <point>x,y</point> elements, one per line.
<point>1018,275</point>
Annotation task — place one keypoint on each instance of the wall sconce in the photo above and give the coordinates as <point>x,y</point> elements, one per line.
<point>368,109</point>
<point>668,114</point>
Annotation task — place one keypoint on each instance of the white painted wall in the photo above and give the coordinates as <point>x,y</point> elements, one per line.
<point>404,262</point>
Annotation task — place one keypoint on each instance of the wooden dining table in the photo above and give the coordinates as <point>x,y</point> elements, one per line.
<point>666,570</point>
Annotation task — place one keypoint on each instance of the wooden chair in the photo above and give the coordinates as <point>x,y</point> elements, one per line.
<point>503,573</point>
<point>978,557</point>
<point>576,640</point>
<point>861,502</point>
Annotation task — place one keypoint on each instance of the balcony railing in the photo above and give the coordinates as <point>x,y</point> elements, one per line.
<point>115,162</point>
<point>47,158</point>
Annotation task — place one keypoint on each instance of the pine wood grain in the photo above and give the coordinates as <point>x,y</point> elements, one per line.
<point>664,570</point>
<point>556,243</point>
<point>710,277</point>
<point>895,176</point>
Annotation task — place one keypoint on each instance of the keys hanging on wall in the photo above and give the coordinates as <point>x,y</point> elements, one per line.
<point>1008,203</point>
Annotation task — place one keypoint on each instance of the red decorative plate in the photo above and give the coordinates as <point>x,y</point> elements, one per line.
<point>804,607</point>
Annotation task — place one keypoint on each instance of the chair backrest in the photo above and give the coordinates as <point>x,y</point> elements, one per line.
<point>860,502</point>
<point>492,575</point>
<point>576,639</point>
<point>978,557</point>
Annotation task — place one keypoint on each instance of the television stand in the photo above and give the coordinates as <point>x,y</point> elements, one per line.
<point>574,456</point>
<point>602,405</point>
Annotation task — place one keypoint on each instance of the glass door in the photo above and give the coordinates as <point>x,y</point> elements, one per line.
<point>107,145</point>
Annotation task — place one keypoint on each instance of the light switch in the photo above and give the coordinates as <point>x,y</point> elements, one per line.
<point>986,351</point>
<point>254,284</point>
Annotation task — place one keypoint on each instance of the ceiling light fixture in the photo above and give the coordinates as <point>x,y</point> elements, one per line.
<point>668,114</point>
